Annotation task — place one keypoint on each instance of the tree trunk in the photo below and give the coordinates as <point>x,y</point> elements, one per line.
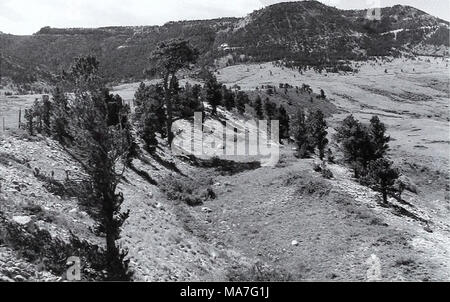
<point>113,261</point>
<point>385,199</point>
<point>168,99</point>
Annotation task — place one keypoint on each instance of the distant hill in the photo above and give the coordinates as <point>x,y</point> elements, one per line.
<point>300,33</point>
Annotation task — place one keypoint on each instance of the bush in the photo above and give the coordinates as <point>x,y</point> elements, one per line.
<point>259,273</point>
<point>314,187</point>
<point>326,173</point>
<point>192,192</point>
<point>225,167</point>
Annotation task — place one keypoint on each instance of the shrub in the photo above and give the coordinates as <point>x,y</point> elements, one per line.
<point>192,192</point>
<point>314,187</point>
<point>326,173</point>
<point>259,273</point>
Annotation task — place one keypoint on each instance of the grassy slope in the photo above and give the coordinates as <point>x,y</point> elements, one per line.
<point>411,99</point>
<point>337,223</point>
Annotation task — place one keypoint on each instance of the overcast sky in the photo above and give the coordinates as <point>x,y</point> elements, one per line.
<point>28,16</point>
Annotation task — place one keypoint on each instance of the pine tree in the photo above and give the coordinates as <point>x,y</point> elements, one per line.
<point>355,141</point>
<point>59,118</point>
<point>147,131</point>
<point>241,101</point>
<point>100,147</point>
<point>29,115</point>
<point>151,99</point>
<point>322,94</point>
<point>228,98</point>
<point>317,129</point>
<point>46,114</point>
<point>380,141</point>
<point>283,118</point>
<point>300,135</point>
<point>213,93</point>
<point>168,58</point>
<point>270,109</point>
<point>382,177</point>
<point>257,105</point>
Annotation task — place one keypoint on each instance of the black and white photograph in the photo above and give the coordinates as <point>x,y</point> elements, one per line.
<point>206,142</point>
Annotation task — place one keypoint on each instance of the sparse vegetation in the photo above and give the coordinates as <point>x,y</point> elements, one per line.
<point>191,191</point>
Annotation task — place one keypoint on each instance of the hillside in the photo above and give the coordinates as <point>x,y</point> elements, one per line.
<point>268,223</point>
<point>300,33</point>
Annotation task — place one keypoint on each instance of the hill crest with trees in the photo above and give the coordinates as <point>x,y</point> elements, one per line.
<point>300,34</point>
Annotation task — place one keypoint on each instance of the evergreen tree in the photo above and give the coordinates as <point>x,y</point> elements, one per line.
<point>322,94</point>
<point>151,99</point>
<point>380,141</point>
<point>283,118</point>
<point>228,98</point>
<point>100,147</point>
<point>46,114</point>
<point>270,109</point>
<point>29,125</point>
<point>168,58</point>
<point>213,93</point>
<point>317,129</point>
<point>355,141</point>
<point>382,177</point>
<point>257,105</point>
<point>241,101</point>
<point>300,135</point>
<point>59,120</point>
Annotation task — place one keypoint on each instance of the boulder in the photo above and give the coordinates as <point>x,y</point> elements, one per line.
<point>22,220</point>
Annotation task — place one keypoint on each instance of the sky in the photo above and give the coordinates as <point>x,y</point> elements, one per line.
<point>24,17</point>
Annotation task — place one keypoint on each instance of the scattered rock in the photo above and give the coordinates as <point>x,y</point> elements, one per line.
<point>206,210</point>
<point>428,229</point>
<point>19,278</point>
<point>22,220</point>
